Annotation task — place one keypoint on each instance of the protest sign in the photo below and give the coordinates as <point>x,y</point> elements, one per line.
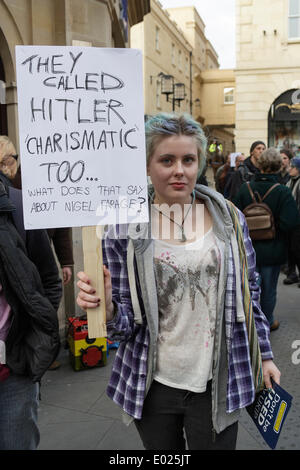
<point>233,158</point>
<point>82,144</point>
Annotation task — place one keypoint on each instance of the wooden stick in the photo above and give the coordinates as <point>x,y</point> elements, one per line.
<point>93,267</point>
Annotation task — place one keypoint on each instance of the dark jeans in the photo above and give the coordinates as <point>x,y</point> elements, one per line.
<point>168,412</point>
<point>268,282</point>
<point>18,413</point>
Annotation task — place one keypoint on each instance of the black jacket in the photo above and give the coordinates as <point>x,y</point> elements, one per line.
<point>33,289</point>
<point>252,169</point>
<point>245,172</point>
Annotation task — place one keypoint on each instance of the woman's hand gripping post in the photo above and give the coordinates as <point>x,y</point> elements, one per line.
<point>87,295</point>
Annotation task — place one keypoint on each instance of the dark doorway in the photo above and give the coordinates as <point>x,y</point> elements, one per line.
<point>3,111</point>
<point>284,122</point>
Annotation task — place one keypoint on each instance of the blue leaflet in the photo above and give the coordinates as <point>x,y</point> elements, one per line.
<point>269,412</point>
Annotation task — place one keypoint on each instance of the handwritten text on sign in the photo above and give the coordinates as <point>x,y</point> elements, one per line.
<point>81,121</point>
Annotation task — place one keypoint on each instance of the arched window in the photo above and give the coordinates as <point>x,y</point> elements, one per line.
<point>284,121</point>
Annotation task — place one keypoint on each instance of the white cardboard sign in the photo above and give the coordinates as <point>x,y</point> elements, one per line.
<point>82,141</point>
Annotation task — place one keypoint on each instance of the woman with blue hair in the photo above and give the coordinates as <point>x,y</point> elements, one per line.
<point>179,293</point>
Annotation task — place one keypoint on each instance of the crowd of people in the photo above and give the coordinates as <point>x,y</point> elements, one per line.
<point>262,169</point>
<point>169,293</point>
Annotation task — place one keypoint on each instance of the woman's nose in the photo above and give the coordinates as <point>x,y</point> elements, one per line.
<point>178,168</point>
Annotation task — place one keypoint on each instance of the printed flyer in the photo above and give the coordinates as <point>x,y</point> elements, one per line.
<point>269,412</point>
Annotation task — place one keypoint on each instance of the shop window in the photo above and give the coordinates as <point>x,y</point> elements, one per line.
<point>284,122</point>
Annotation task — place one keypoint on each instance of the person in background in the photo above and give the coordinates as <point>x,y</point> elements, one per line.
<point>221,175</point>
<point>247,169</point>
<point>212,151</point>
<point>271,254</point>
<point>252,162</point>
<point>217,157</point>
<point>36,241</point>
<point>153,274</point>
<point>8,160</point>
<point>283,178</point>
<point>237,160</point>
<point>62,242</point>
<point>294,238</point>
<point>284,175</point>
<point>30,294</point>
<point>61,239</point>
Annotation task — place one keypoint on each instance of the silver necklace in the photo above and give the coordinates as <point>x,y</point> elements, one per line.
<point>181,226</point>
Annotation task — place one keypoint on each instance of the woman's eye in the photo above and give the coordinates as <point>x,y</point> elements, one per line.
<point>166,161</point>
<point>189,159</point>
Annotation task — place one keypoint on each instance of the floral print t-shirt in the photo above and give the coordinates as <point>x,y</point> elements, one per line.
<point>187,282</point>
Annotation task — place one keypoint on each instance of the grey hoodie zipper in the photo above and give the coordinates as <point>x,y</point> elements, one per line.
<point>218,336</point>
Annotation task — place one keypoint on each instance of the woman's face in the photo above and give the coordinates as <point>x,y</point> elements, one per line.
<point>173,168</point>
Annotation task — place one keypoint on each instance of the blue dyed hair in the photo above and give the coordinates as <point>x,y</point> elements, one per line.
<point>165,125</point>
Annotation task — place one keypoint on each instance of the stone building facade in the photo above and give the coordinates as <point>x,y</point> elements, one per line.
<point>174,43</point>
<point>268,73</point>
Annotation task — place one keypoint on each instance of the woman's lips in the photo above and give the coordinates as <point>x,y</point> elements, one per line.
<point>178,185</point>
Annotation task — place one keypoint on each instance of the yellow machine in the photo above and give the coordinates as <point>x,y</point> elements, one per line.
<point>85,352</point>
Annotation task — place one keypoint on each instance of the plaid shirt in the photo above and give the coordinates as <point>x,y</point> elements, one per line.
<point>127,383</point>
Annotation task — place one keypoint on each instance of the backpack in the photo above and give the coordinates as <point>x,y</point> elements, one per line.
<point>259,216</point>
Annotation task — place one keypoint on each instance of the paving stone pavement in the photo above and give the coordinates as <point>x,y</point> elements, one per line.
<point>76,414</point>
